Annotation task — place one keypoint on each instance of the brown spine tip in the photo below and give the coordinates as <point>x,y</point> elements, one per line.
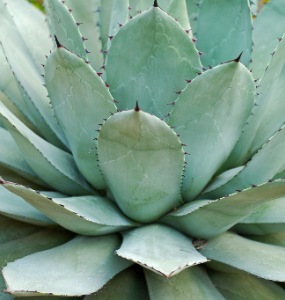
<point>137,107</point>
<point>238,58</point>
<point>58,44</point>
<point>155,4</point>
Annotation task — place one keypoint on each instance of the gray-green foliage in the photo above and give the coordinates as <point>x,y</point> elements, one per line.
<point>126,160</point>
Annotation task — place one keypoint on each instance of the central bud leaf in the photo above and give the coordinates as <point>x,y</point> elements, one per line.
<point>142,161</point>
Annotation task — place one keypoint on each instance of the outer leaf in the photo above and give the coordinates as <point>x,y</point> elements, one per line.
<point>277,239</point>
<point>56,167</point>
<point>34,30</point>
<point>12,158</point>
<point>192,10</point>
<point>178,10</point>
<point>266,36</point>
<point>224,30</point>
<point>31,83</point>
<point>206,218</point>
<point>16,208</point>
<point>85,12</point>
<point>9,175</point>
<point>130,145</point>
<point>167,56</point>
<point>268,218</point>
<point>86,215</point>
<point>127,285</point>
<point>253,257</point>
<point>65,28</point>
<point>160,248</point>
<point>192,283</point>
<point>11,229</point>
<point>246,287</point>
<point>262,125</point>
<point>39,241</point>
<point>209,115</point>
<point>83,266</point>
<point>263,166</point>
<point>9,87</point>
<point>104,20</point>
<point>69,78</point>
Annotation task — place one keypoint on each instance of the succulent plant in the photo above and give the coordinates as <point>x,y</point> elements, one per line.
<point>150,166</point>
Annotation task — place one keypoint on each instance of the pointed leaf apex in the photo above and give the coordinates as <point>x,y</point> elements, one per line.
<point>155,4</point>
<point>238,58</point>
<point>58,44</point>
<point>137,107</point>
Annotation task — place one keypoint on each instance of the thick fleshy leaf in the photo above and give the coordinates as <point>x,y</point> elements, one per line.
<point>64,27</point>
<point>87,215</point>
<point>246,287</point>
<point>206,218</point>
<point>39,241</point>
<point>28,244</point>
<point>266,36</point>
<point>9,87</point>
<point>262,125</point>
<point>193,10</point>
<point>69,78</point>
<point>85,12</point>
<point>277,239</point>
<point>9,175</point>
<point>268,218</point>
<point>142,161</point>
<point>167,56</point>
<point>104,21</point>
<point>127,285</point>
<point>263,166</point>
<point>160,248</point>
<point>192,283</point>
<point>178,10</point>
<point>12,158</point>
<point>209,116</point>
<point>16,208</point>
<point>263,260</point>
<point>54,166</point>
<point>11,229</point>
<point>119,15</point>
<point>30,81</point>
<point>224,30</point>
<point>33,27</point>
<point>79,267</point>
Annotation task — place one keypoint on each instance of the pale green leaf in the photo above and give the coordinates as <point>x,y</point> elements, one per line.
<point>85,12</point>
<point>160,249</point>
<point>54,166</point>
<point>246,287</point>
<point>262,167</point>
<point>263,260</point>
<point>277,239</point>
<point>191,284</point>
<point>142,161</point>
<point>64,27</point>
<point>69,78</point>
<point>28,78</point>
<point>16,208</point>
<point>206,218</point>
<point>158,56</point>
<point>33,28</point>
<point>88,215</point>
<point>80,267</point>
<point>209,116</point>
<point>269,25</point>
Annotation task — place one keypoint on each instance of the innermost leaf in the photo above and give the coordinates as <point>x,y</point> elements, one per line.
<point>142,161</point>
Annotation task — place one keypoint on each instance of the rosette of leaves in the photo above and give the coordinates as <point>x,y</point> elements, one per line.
<point>138,162</point>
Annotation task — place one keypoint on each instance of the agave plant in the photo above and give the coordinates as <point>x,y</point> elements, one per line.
<point>149,166</point>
